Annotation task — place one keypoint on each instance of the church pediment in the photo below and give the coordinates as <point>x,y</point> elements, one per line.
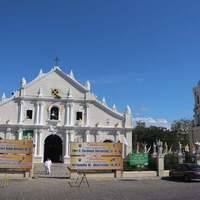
<point>54,84</point>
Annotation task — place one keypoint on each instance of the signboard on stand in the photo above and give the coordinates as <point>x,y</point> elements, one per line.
<point>99,148</point>
<point>16,162</point>
<point>96,156</point>
<point>16,146</point>
<point>16,155</point>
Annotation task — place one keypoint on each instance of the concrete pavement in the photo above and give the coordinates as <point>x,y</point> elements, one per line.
<point>127,189</point>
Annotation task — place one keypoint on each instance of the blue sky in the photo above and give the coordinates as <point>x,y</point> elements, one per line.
<point>142,53</point>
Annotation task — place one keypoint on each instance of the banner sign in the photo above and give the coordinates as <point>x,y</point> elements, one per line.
<point>89,148</point>
<point>139,159</point>
<point>96,156</point>
<point>16,162</point>
<point>16,146</point>
<point>96,163</point>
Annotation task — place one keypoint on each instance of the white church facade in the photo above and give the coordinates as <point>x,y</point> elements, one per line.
<point>55,109</point>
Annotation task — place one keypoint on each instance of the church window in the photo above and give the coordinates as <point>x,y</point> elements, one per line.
<point>29,114</point>
<point>54,113</point>
<point>197,99</point>
<point>107,121</point>
<point>79,116</point>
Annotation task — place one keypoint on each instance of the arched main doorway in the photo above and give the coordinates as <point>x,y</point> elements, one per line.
<point>107,141</point>
<point>53,148</point>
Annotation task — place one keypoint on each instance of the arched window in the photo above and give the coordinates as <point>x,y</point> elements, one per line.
<point>54,113</point>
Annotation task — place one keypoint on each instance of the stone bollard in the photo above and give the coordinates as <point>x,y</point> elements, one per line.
<point>160,165</point>
<point>118,174</point>
<point>198,158</point>
<point>180,158</point>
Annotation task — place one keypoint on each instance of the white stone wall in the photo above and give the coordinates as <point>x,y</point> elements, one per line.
<point>52,81</point>
<point>98,115</point>
<point>9,112</point>
<point>101,121</point>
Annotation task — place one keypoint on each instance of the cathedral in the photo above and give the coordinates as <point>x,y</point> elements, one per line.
<point>55,109</point>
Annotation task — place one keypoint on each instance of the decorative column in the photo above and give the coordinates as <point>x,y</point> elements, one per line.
<point>95,136</point>
<point>71,114</point>
<point>71,136</point>
<point>37,112</point>
<point>41,113</point>
<point>4,134</point>
<point>118,136</point>
<point>39,143</point>
<point>87,115</point>
<point>67,114</point>
<point>67,144</point>
<point>8,133</point>
<point>20,112</point>
<point>128,149</point>
<point>87,136</point>
<point>35,142</point>
<point>20,134</point>
<point>160,165</point>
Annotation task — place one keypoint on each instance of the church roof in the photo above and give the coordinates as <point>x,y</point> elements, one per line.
<point>67,77</point>
<point>70,78</point>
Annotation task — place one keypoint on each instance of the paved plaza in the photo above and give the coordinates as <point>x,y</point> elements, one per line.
<point>50,189</point>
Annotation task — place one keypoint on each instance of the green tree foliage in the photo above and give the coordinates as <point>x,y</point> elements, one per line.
<point>183,128</point>
<point>152,134</point>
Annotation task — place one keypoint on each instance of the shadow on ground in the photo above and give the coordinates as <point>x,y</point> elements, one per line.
<point>167,178</point>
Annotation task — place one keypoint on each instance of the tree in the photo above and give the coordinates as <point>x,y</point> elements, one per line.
<point>183,128</point>
<point>153,134</point>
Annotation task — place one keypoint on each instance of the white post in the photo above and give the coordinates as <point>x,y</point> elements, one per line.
<point>66,114</point>
<point>5,135</point>
<point>41,109</point>
<point>71,136</point>
<point>128,148</point>
<point>71,114</point>
<point>40,150</point>
<point>87,115</point>
<point>20,110</point>
<point>37,112</point>
<point>39,143</point>
<point>66,144</point>
<point>118,137</point>
<point>35,140</point>
<point>96,135</point>
<point>8,133</point>
<point>87,134</point>
<point>20,133</point>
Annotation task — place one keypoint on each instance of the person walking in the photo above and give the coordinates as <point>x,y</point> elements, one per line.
<point>47,165</point>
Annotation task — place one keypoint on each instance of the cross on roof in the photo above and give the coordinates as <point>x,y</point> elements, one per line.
<point>56,60</point>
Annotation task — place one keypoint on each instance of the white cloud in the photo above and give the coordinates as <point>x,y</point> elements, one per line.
<point>144,109</point>
<point>117,78</point>
<point>150,121</point>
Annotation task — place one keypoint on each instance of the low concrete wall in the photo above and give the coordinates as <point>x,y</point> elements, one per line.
<point>139,174</point>
<point>94,175</point>
<point>15,175</point>
<point>125,175</point>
